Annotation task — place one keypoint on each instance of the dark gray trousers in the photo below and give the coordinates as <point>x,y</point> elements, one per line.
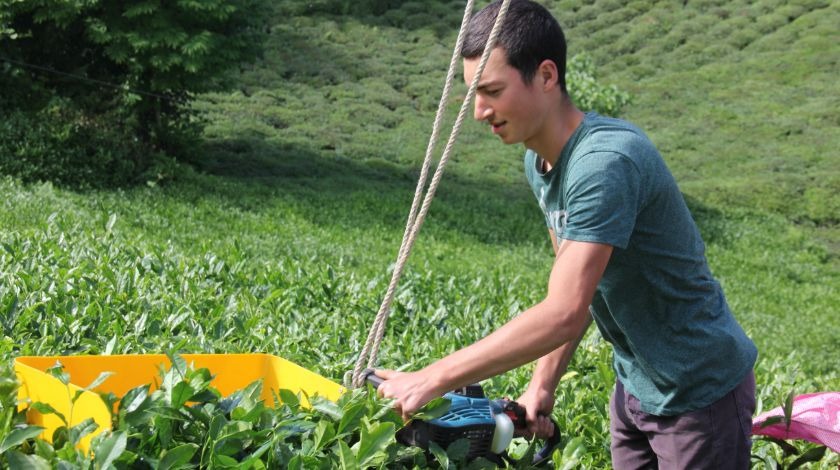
<point>715,437</point>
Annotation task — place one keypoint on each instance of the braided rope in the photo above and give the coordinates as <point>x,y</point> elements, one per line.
<point>415,220</point>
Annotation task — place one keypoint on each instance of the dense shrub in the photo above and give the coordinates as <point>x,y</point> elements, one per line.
<point>68,148</point>
<point>588,93</point>
<point>103,78</point>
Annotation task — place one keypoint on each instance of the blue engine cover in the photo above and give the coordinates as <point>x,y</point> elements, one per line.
<point>466,412</point>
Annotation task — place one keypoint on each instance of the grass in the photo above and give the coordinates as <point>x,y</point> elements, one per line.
<point>282,239</point>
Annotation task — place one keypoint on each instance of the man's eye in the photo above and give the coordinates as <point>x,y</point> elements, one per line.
<point>493,92</point>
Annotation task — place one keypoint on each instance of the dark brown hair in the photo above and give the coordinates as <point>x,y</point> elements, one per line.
<point>529,35</point>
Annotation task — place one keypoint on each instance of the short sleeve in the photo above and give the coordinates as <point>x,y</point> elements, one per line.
<point>537,186</point>
<point>602,199</point>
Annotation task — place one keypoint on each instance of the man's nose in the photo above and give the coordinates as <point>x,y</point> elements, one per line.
<point>482,110</point>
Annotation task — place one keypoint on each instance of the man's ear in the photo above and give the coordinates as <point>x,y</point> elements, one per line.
<point>547,74</point>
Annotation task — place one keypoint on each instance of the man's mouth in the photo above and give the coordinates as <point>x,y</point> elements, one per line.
<point>497,126</point>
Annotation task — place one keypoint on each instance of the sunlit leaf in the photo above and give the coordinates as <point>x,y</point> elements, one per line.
<point>346,459</point>
<point>109,449</point>
<point>177,456</point>
<point>436,408</point>
<point>18,435</point>
<point>374,439</point>
<point>45,408</point>
<point>440,454</point>
<point>23,461</point>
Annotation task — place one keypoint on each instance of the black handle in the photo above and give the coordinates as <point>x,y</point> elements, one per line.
<point>517,415</point>
<point>372,378</point>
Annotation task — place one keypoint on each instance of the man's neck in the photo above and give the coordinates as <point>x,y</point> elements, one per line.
<point>556,132</point>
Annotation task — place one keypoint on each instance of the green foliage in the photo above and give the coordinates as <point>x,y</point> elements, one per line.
<point>297,268</point>
<point>285,248</point>
<point>590,95</point>
<point>143,62</point>
<point>186,423</point>
<point>737,95</point>
<point>63,146</point>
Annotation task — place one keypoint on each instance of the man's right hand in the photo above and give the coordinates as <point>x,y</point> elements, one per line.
<point>538,404</point>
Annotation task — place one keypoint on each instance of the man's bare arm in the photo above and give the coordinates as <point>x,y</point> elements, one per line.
<point>538,398</point>
<point>541,329</point>
<point>551,367</point>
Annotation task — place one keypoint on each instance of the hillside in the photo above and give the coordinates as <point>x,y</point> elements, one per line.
<point>740,96</point>
<point>281,238</point>
<point>737,95</point>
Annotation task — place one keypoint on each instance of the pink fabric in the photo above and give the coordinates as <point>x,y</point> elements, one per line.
<point>815,417</point>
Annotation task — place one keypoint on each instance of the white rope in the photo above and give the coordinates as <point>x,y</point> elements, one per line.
<point>370,351</point>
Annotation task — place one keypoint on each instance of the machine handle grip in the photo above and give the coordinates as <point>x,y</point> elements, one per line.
<point>372,378</point>
<point>516,412</point>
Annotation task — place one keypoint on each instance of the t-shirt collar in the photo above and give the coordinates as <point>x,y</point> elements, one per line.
<point>566,152</point>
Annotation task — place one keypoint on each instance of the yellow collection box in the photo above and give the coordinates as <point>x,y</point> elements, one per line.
<point>231,372</point>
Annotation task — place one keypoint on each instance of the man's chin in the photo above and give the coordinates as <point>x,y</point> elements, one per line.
<point>507,139</point>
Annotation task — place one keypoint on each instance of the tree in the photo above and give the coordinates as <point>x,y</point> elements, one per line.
<point>139,63</point>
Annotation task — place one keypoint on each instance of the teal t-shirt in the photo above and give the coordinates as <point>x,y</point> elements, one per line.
<point>676,345</point>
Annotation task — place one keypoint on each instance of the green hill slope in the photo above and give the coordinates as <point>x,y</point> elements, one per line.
<point>742,97</point>
<point>738,95</point>
<point>282,242</point>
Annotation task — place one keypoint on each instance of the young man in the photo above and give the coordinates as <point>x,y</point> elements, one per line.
<point>627,250</point>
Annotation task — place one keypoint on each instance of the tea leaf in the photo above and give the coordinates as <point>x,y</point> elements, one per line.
<point>574,449</point>
<point>772,420</point>
<point>29,462</point>
<point>434,409</point>
<point>109,347</point>
<point>788,448</point>
<point>813,455</point>
<point>346,459</point>
<point>323,436</point>
<point>289,398</point>
<point>440,454</point>
<point>179,365</point>
<point>328,408</point>
<point>18,435</point>
<point>181,393</point>
<point>45,408</point>
<point>57,371</point>
<point>77,432</point>
<point>109,449</point>
<point>224,461</point>
<point>96,382</point>
<point>177,456</point>
<point>351,416</point>
<point>459,449</point>
<point>375,438</point>
<point>788,410</point>
<point>112,219</point>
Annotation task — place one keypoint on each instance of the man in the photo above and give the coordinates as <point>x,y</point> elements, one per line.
<point>626,249</point>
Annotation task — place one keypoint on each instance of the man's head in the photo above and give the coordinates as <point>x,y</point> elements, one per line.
<point>521,94</point>
<point>529,36</point>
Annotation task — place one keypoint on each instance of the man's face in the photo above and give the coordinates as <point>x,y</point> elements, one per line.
<point>511,108</point>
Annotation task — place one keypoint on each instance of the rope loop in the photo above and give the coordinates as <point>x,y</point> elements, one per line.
<point>417,213</point>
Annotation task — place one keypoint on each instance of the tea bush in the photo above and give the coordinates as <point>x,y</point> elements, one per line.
<point>283,245</point>
<point>69,148</point>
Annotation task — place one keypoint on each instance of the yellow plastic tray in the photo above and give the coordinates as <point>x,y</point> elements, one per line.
<point>231,372</point>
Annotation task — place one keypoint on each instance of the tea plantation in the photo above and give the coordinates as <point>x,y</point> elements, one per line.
<point>281,236</point>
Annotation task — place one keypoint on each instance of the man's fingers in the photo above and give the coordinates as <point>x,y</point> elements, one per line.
<point>546,427</point>
<point>386,373</point>
<point>541,427</point>
<point>533,419</point>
